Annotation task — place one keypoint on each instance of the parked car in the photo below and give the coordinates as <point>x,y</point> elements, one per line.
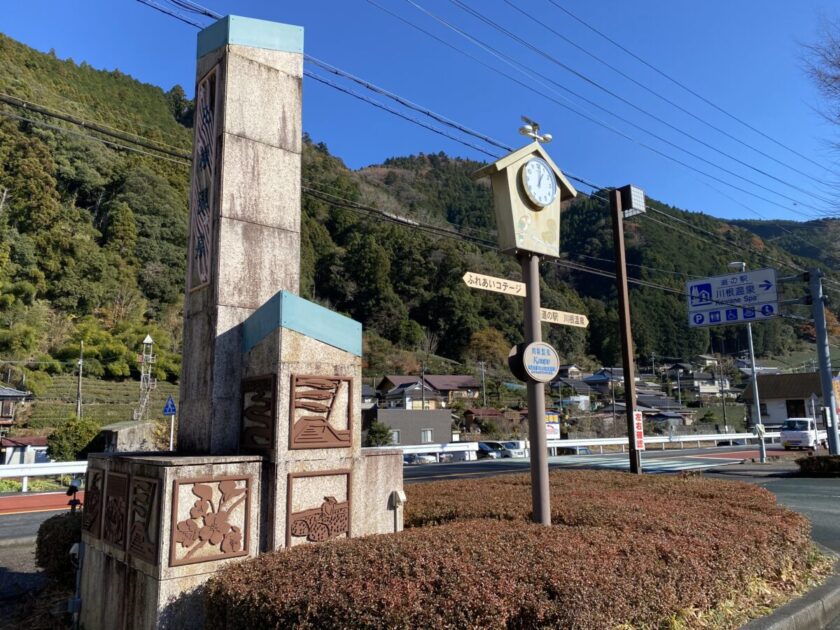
<point>514,448</point>
<point>415,458</point>
<point>573,450</point>
<point>490,450</point>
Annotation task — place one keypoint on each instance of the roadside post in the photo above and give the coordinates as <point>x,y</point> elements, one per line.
<point>528,189</point>
<point>626,202</point>
<point>818,306</point>
<point>169,410</point>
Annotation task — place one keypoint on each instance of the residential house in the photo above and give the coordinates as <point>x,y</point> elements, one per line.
<point>704,384</point>
<point>414,395</point>
<point>369,397</point>
<point>449,387</point>
<point>24,450</point>
<point>783,396</point>
<point>705,361</point>
<point>477,415</point>
<point>412,427</point>
<point>578,388</point>
<point>570,371</point>
<point>10,400</point>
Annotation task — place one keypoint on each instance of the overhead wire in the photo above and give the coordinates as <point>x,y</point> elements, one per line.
<point>529,71</point>
<point>683,86</point>
<point>660,96</point>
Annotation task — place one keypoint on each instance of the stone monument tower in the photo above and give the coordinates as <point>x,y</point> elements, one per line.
<point>269,449</point>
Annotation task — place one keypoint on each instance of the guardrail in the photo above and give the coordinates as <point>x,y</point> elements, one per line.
<point>25,471</point>
<point>459,450</point>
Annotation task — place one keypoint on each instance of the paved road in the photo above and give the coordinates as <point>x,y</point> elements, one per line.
<point>22,525</point>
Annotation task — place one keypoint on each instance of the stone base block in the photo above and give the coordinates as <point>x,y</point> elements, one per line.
<point>155,528</point>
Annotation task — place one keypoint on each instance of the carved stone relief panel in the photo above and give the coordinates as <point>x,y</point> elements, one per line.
<point>92,510</point>
<point>321,412</point>
<point>318,506</point>
<point>259,414</point>
<point>210,519</point>
<point>144,519</point>
<point>116,509</point>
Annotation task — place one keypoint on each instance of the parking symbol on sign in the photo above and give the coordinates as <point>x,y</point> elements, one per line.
<point>698,318</point>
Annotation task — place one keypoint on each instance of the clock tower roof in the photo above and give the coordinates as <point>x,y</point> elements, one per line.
<point>567,191</point>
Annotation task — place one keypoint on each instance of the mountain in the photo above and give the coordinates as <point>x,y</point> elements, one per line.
<point>818,240</point>
<point>93,244</point>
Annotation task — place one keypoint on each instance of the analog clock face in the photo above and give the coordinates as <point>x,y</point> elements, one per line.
<point>539,182</point>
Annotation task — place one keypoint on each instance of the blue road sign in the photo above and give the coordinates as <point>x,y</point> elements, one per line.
<point>169,407</point>
<point>733,299</point>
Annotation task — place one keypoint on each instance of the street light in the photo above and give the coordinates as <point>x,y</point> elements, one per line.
<point>759,427</point>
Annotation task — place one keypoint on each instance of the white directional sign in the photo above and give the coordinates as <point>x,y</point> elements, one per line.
<point>564,318</point>
<point>735,298</point>
<point>512,287</point>
<point>491,283</point>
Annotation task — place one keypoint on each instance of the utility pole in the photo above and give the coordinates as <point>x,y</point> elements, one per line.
<point>624,323</point>
<point>423,386</point>
<point>80,364</point>
<point>483,384</point>
<point>722,389</point>
<point>818,306</point>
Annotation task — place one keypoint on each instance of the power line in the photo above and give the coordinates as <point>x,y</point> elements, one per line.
<point>683,86</point>
<point>700,119</point>
<point>523,68</point>
<point>93,126</point>
<point>170,12</point>
<point>89,137</point>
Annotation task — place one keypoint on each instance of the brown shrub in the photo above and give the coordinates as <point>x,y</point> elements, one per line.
<point>624,549</point>
<point>56,536</point>
<point>820,465</point>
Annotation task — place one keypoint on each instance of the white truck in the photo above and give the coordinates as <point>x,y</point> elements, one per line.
<point>802,433</point>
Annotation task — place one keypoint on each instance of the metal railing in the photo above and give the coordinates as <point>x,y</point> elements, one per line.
<point>49,469</point>
<point>24,471</point>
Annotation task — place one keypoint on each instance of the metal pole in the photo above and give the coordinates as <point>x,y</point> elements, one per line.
<point>483,385</point>
<point>540,497</point>
<point>626,333</point>
<point>818,306</point>
<point>79,382</point>
<point>171,431</point>
<point>759,428</point>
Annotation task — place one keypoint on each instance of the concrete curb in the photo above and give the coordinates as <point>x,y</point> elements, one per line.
<point>17,542</point>
<point>815,609</point>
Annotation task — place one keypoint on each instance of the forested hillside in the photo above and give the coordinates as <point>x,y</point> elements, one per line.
<point>93,241</point>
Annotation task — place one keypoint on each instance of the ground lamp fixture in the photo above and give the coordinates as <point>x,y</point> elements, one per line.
<point>626,202</point>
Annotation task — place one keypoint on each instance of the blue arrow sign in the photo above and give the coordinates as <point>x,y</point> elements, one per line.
<point>169,408</point>
<point>766,285</point>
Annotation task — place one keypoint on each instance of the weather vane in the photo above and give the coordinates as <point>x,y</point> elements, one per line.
<point>531,128</point>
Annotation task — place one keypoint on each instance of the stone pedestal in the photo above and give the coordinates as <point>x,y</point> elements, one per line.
<point>155,528</point>
<point>301,409</point>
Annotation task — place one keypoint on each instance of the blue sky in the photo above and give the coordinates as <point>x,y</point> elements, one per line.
<point>746,57</point>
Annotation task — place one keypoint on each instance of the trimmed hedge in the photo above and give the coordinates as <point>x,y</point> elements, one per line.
<point>623,550</point>
<point>820,465</point>
<point>56,536</point>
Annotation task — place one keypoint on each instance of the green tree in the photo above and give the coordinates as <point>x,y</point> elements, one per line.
<point>379,434</point>
<point>68,443</point>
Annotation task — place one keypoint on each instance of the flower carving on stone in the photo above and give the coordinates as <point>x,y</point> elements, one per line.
<point>210,524</point>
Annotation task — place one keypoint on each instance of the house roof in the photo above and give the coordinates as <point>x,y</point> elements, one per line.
<point>11,392</point>
<point>785,386</point>
<point>702,376</point>
<point>23,441</point>
<point>368,391</point>
<point>448,382</point>
<point>396,380</point>
<point>578,386</point>
<point>483,412</point>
